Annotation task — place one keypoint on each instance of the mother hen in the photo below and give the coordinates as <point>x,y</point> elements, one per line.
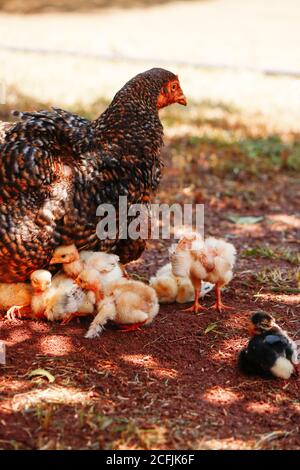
<point>56,168</point>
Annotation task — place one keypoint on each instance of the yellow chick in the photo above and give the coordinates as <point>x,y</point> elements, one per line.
<point>68,256</point>
<point>126,302</point>
<point>74,262</point>
<point>211,260</point>
<point>15,299</point>
<point>41,281</point>
<point>58,299</point>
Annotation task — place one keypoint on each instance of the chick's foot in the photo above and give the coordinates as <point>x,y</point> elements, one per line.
<point>131,327</point>
<point>18,312</point>
<point>69,318</point>
<point>195,308</point>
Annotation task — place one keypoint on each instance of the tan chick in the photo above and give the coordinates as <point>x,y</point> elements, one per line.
<point>60,300</point>
<point>74,262</point>
<point>41,282</point>
<point>15,299</point>
<point>170,288</point>
<point>126,302</point>
<point>211,260</point>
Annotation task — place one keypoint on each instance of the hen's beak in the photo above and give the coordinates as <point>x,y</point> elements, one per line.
<point>53,261</point>
<point>181,100</point>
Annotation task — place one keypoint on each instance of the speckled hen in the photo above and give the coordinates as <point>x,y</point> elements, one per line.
<point>56,168</point>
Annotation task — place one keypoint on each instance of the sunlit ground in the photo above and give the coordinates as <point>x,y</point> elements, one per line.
<point>235,148</point>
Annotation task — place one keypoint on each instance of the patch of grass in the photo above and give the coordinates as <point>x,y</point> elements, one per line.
<point>264,251</point>
<point>12,444</point>
<point>259,251</point>
<point>225,153</point>
<point>124,433</point>
<point>271,147</point>
<point>278,279</point>
<point>291,256</point>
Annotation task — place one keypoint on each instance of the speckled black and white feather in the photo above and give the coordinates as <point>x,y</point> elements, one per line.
<point>56,168</point>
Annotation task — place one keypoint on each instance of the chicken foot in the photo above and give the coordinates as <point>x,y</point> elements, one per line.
<point>218,305</point>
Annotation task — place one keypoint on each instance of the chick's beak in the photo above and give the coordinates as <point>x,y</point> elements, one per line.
<point>251,329</point>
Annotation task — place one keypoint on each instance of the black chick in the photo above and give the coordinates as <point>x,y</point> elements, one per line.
<point>270,352</point>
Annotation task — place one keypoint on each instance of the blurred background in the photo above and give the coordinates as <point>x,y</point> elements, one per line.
<point>75,52</point>
<point>238,62</point>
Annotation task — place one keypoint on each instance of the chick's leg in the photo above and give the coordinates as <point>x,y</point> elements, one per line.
<point>18,311</point>
<point>132,327</point>
<point>219,304</point>
<point>196,307</point>
<point>131,319</point>
<point>70,317</point>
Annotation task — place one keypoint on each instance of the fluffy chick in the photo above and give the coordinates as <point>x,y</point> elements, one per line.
<point>270,351</point>
<point>170,288</point>
<point>70,259</point>
<point>15,299</point>
<point>74,262</point>
<point>211,260</point>
<point>126,302</point>
<point>41,282</point>
<point>59,300</point>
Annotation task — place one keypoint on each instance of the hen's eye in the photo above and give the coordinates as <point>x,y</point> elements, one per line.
<point>174,87</point>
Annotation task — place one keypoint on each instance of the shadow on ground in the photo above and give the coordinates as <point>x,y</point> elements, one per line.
<point>176,384</point>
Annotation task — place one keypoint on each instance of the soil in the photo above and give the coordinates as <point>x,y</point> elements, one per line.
<point>175,384</point>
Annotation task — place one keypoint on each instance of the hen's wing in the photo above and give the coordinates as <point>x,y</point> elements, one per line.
<point>101,177</point>
<point>36,147</point>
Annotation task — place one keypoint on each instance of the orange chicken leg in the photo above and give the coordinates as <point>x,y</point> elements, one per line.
<point>196,307</point>
<point>219,304</point>
<point>132,327</point>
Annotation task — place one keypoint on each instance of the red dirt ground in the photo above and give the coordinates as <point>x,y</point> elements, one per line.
<point>172,385</point>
